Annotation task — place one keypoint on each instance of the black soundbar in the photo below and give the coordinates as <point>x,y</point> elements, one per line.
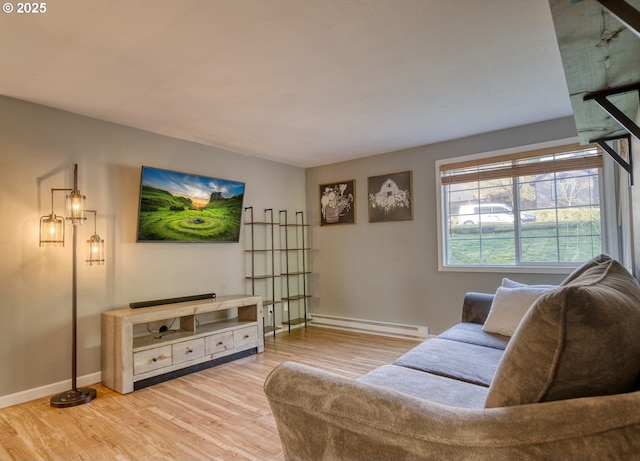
<point>171,300</point>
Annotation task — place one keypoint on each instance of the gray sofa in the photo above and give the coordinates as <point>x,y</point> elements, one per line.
<point>565,385</point>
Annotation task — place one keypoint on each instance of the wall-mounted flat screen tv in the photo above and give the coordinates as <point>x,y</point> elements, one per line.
<point>182,207</point>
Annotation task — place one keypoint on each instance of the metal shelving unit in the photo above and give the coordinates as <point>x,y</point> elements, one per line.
<point>295,269</point>
<point>278,250</point>
<point>266,252</point>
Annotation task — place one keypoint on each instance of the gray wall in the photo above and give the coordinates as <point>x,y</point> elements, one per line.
<point>384,271</point>
<point>389,271</point>
<point>38,147</point>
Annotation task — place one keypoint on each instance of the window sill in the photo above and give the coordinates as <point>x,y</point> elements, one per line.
<point>564,270</point>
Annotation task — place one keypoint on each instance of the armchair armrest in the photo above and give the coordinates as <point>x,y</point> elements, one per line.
<point>323,416</point>
<point>476,306</point>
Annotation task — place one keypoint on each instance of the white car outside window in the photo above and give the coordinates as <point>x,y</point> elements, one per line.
<point>485,213</point>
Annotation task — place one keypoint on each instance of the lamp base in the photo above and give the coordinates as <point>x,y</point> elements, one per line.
<point>73,397</point>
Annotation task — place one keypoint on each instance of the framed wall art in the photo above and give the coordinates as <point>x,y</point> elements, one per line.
<point>183,207</point>
<point>390,197</point>
<point>338,203</point>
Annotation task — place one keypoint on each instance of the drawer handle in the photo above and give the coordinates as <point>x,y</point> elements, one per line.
<point>220,343</point>
<point>155,359</point>
<point>246,337</point>
<point>189,350</point>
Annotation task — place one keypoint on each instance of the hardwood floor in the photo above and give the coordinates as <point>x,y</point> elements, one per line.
<point>219,413</point>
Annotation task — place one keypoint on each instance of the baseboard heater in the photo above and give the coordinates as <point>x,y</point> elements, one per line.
<point>373,327</point>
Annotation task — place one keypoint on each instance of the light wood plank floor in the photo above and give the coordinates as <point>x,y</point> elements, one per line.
<point>216,414</point>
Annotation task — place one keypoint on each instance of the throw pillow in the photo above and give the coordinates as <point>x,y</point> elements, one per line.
<point>578,340</point>
<point>508,283</point>
<point>509,306</point>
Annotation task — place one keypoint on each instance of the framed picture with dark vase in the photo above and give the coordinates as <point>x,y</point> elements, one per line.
<point>338,203</point>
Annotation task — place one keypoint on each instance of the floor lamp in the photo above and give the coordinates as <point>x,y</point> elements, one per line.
<point>52,233</point>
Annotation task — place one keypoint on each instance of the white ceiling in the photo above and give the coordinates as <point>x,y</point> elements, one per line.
<point>302,82</point>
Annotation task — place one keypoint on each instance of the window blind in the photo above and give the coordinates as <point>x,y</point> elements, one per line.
<point>543,161</point>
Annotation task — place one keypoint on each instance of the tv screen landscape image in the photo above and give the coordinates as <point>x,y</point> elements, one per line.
<point>182,207</point>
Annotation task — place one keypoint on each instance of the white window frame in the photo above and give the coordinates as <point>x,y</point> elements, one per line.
<point>608,240</point>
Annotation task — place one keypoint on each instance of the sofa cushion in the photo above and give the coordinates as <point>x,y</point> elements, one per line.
<point>462,361</point>
<point>509,306</point>
<point>427,386</point>
<point>578,271</point>
<point>473,333</point>
<point>578,340</point>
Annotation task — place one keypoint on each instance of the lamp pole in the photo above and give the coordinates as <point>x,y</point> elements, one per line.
<point>74,311</point>
<point>74,396</point>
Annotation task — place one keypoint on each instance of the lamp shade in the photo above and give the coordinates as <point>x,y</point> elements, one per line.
<point>52,231</point>
<point>76,204</point>
<point>95,255</point>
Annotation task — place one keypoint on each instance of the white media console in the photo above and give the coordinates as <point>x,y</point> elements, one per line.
<point>144,346</point>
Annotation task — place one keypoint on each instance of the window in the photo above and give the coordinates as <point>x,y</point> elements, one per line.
<point>536,208</point>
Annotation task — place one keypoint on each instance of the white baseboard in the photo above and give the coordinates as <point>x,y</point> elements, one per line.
<point>48,390</point>
<point>395,330</point>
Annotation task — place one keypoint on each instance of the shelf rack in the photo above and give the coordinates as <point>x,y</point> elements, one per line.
<point>269,252</point>
<point>297,275</point>
<point>290,308</point>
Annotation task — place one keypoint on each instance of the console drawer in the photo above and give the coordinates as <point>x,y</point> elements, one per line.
<point>245,336</point>
<point>218,343</point>
<point>187,350</point>
<point>151,359</point>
